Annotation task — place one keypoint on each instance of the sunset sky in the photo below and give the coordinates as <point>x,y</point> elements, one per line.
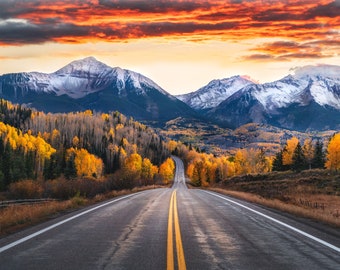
<point>180,44</point>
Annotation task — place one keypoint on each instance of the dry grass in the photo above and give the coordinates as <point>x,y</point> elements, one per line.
<point>309,195</point>
<point>16,217</point>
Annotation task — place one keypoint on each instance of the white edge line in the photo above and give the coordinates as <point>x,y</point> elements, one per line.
<point>22,240</point>
<point>279,222</point>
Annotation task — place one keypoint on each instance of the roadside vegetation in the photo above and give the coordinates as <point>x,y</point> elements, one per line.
<point>312,194</point>
<point>16,217</point>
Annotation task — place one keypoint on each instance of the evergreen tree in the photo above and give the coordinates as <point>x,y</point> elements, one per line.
<point>29,165</point>
<point>2,181</point>
<point>52,167</point>
<point>7,164</point>
<point>18,166</point>
<point>70,170</point>
<point>319,156</point>
<point>299,160</point>
<point>277,162</point>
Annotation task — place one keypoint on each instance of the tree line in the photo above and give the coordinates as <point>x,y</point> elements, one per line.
<point>205,169</point>
<point>297,157</point>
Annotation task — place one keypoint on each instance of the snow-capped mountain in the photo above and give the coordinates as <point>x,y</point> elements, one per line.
<point>90,84</point>
<point>79,79</point>
<point>215,92</point>
<point>308,98</point>
<point>313,83</point>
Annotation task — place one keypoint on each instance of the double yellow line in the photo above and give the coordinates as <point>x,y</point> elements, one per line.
<point>173,220</point>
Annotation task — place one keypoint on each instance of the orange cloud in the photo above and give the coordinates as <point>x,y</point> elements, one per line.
<point>302,25</point>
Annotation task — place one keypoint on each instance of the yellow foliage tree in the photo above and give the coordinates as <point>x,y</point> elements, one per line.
<point>148,171</point>
<point>172,145</point>
<point>287,155</point>
<point>166,170</point>
<point>133,165</point>
<point>27,142</point>
<point>86,164</point>
<point>241,162</point>
<point>333,153</point>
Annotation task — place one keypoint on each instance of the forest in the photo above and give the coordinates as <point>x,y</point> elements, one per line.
<point>95,147</point>
<point>60,155</point>
<point>204,169</point>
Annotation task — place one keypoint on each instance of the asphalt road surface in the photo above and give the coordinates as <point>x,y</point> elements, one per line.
<point>173,228</point>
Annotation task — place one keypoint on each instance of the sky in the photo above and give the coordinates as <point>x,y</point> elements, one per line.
<point>179,44</point>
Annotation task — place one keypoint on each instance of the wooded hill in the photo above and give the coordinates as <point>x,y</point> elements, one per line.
<point>35,145</point>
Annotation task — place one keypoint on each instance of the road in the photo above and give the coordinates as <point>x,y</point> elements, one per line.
<point>175,228</point>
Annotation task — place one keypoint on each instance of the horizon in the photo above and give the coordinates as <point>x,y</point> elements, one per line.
<point>180,45</point>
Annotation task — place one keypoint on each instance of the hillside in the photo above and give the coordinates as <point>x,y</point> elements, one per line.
<point>83,144</point>
<point>212,138</point>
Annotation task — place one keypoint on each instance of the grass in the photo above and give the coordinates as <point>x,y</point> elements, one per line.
<point>17,217</point>
<point>311,194</point>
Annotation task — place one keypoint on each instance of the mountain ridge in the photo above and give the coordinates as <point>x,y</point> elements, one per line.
<point>310,91</point>
<point>90,84</point>
<point>214,92</point>
<point>313,90</point>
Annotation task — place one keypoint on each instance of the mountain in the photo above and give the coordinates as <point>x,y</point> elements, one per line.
<point>90,84</point>
<point>307,99</point>
<point>214,92</point>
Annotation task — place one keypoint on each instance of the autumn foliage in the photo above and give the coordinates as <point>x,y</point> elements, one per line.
<point>86,164</point>
<point>166,170</point>
<point>97,146</point>
<point>205,169</point>
<point>333,153</point>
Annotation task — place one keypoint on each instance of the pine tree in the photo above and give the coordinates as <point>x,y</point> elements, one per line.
<point>29,164</point>
<point>7,164</point>
<point>277,162</point>
<point>299,160</point>
<point>319,156</point>
<point>70,169</point>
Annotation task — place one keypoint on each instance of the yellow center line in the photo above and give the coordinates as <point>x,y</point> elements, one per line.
<point>179,246</point>
<point>173,214</point>
<point>170,248</point>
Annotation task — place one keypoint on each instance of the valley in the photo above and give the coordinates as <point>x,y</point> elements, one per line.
<point>89,129</point>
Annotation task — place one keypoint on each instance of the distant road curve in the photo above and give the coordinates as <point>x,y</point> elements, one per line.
<point>176,228</point>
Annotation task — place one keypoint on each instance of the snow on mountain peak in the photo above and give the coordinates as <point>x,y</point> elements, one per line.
<point>86,65</point>
<point>248,78</point>
<point>215,92</point>
<point>327,71</point>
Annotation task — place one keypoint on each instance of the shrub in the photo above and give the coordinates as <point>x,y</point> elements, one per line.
<point>26,189</point>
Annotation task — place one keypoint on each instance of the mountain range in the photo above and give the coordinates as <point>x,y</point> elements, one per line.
<point>308,99</point>
<point>90,84</point>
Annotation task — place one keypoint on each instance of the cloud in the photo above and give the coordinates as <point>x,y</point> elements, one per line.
<point>330,10</point>
<point>159,6</point>
<point>16,32</point>
<point>38,21</point>
<point>258,57</point>
<point>291,56</point>
<point>289,50</point>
